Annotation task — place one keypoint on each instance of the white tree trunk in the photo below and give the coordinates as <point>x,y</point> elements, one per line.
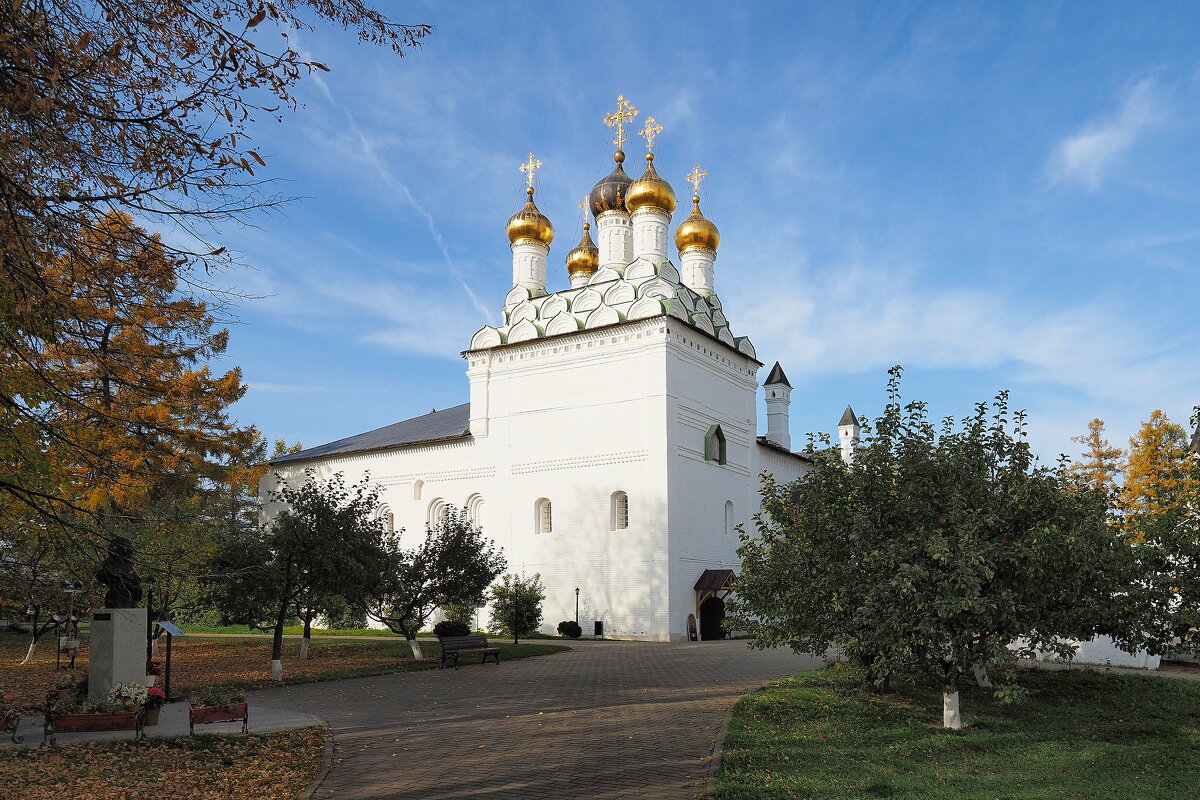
<point>950,715</point>
<point>154,646</point>
<point>276,669</point>
<point>29,652</point>
<point>981,677</point>
<point>415,646</point>
<point>304,648</point>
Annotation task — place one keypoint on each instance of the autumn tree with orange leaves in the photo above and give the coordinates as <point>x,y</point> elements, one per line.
<point>140,416</point>
<point>125,417</point>
<point>1101,462</point>
<point>1155,487</point>
<point>145,108</point>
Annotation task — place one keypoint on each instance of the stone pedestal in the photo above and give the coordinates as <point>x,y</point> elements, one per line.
<point>117,649</point>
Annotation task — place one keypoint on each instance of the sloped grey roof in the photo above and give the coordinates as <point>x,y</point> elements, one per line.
<point>765,442</point>
<point>715,579</point>
<point>777,376</point>
<point>449,423</point>
<point>848,417</point>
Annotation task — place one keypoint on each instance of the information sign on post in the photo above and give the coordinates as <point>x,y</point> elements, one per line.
<point>172,631</point>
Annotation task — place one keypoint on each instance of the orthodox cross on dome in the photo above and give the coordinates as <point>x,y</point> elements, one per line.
<point>650,130</point>
<point>625,113</point>
<point>694,177</point>
<point>583,207</point>
<point>529,168</point>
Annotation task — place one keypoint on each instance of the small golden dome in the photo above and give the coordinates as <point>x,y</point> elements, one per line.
<point>530,223</point>
<point>609,192</point>
<point>697,230</point>
<point>584,258</point>
<point>650,191</point>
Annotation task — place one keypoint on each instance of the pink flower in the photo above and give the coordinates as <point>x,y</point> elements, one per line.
<point>154,691</point>
<point>10,697</point>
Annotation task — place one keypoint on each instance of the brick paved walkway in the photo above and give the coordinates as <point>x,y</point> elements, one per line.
<point>606,720</point>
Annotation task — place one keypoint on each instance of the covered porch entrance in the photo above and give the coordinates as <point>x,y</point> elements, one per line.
<point>714,586</point>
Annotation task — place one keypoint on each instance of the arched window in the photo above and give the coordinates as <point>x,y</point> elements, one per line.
<point>543,522</point>
<point>385,515</point>
<point>714,445</point>
<point>620,511</point>
<point>474,508</point>
<point>728,516</point>
<point>437,512</point>
<point>418,485</point>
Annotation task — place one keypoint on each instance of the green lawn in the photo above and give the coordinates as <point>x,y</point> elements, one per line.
<point>1080,734</point>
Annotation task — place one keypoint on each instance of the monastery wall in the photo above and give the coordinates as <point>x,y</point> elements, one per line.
<point>708,385</point>
<point>574,420</point>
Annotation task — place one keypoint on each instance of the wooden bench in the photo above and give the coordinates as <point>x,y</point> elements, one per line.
<point>454,646</point>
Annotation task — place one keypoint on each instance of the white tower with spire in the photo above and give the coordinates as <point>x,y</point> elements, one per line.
<point>530,234</point>
<point>849,432</point>
<point>697,239</point>
<point>614,231</point>
<point>779,397</point>
<point>650,201</point>
<point>584,258</point>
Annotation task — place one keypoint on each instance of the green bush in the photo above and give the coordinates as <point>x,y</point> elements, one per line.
<point>459,612</point>
<point>341,617</point>
<point>570,629</point>
<point>517,604</point>
<point>451,627</point>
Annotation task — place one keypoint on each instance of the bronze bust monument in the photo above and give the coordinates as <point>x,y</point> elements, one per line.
<point>119,575</point>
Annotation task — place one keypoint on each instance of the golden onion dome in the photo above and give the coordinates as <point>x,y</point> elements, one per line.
<point>650,191</point>
<point>585,257</point>
<point>610,191</point>
<point>697,230</point>
<point>530,223</point>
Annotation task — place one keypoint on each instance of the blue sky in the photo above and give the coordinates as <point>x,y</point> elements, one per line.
<point>994,195</point>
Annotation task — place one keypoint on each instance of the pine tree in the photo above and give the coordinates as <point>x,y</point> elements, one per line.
<point>1101,462</point>
<point>1160,471</point>
<point>136,416</point>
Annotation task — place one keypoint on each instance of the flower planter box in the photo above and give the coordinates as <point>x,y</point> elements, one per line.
<point>75,723</point>
<point>151,716</point>
<point>84,723</point>
<point>232,712</point>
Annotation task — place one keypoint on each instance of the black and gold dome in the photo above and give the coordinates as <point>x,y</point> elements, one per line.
<point>584,258</point>
<point>650,191</point>
<point>610,192</point>
<point>697,230</point>
<point>530,223</point>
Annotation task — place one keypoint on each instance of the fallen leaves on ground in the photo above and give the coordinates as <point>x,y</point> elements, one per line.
<point>200,661</point>
<point>197,662</point>
<point>29,683</point>
<point>271,766</point>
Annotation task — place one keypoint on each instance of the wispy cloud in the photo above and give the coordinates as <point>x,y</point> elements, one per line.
<point>1087,157</point>
<point>398,186</point>
<point>283,388</point>
<point>869,312</point>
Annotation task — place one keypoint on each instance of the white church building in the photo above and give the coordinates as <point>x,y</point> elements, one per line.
<point>610,439</point>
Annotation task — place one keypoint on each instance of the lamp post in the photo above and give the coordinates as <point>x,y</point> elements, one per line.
<point>149,584</point>
<point>516,613</point>
<point>576,605</point>
<point>57,620</point>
